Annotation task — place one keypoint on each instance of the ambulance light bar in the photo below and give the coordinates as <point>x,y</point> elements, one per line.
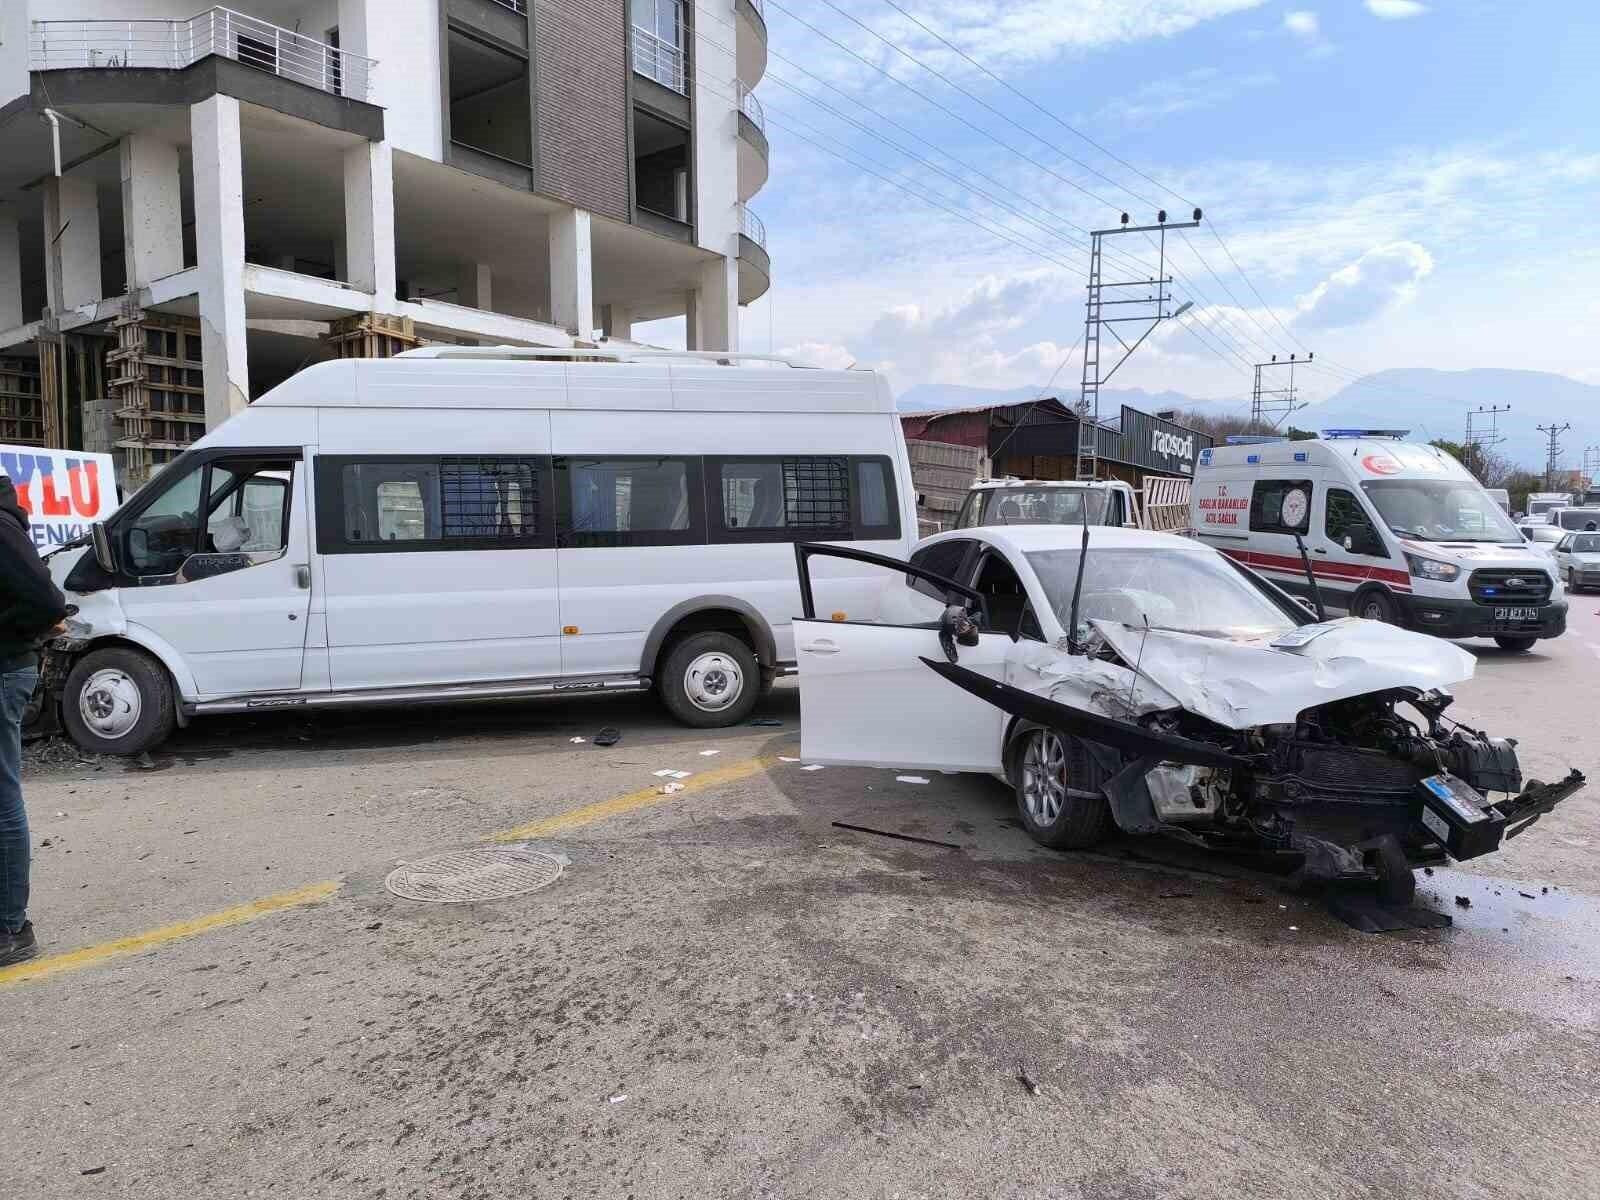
<point>1366,433</point>
<point>1252,439</point>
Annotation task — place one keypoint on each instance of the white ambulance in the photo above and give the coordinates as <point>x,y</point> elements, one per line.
<point>1392,530</point>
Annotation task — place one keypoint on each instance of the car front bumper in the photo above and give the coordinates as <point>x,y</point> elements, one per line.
<point>1469,619</point>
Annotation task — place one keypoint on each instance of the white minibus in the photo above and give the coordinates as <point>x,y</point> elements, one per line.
<point>473,523</point>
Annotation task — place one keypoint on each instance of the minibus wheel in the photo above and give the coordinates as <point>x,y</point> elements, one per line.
<point>117,700</point>
<point>710,680</point>
<point>1376,606</point>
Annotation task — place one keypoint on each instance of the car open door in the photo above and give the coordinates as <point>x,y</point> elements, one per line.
<point>868,700</point>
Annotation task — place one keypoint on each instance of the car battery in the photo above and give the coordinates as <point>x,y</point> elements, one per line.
<point>1454,813</point>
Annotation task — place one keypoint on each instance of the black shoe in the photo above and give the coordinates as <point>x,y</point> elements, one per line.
<point>15,947</point>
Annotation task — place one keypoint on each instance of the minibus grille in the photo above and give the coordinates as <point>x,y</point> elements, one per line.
<point>1523,586</point>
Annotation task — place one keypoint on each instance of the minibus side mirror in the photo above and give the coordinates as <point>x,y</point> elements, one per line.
<point>103,555</point>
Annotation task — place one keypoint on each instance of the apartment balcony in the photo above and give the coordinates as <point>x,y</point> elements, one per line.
<point>750,17</point>
<point>660,43</point>
<point>175,45</point>
<point>754,154</point>
<point>755,267</point>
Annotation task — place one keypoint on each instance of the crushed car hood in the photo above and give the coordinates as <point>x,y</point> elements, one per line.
<point>1240,684</point>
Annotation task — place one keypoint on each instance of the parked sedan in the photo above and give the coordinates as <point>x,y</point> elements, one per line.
<point>1578,560</point>
<point>1118,679</point>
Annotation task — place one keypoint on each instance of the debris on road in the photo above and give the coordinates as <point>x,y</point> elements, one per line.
<point>1526,895</point>
<point>374,925</point>
<point>709,753</point>
<point>618,1098</point>
<point>910,779</point>
<point>904,837</point>
<point>767,723</point>
<point>1463,901</point>
<point>577,741</point>
<point>812,767</point>
<point>608,737</point>
<point>92,1171</point>
<point>668,788</point>
<point>1027,1080</point>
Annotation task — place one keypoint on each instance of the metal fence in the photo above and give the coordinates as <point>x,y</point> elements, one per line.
<point>656,58</point>
<point>750,225</point>
<point>516,6</point>
<point>751,107</point>
<point>173,45</point>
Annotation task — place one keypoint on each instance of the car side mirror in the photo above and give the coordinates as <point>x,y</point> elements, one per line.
<point>101,540</point>
<point>956,628</point>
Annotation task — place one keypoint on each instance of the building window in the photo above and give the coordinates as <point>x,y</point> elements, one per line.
<point>659,42</point>
<point>661,166</point>
<point>490,109</point>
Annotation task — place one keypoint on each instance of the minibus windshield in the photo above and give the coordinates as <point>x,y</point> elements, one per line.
<point>1440,510</point>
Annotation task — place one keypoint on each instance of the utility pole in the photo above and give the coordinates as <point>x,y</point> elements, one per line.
<point>1554,431</point>
<point>1275,403</point>
<point>1151,308</point>
<point>1591,465</point>
<point>1483,435</point>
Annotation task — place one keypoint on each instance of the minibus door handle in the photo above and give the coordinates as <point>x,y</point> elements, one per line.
<point>302,576</point>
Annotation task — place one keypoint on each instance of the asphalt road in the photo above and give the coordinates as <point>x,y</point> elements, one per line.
<point>725,995</point>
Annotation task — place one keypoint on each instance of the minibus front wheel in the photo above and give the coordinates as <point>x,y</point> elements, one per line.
<point>710,680</point>
<point>117,700</point>
<point>1375,605</point>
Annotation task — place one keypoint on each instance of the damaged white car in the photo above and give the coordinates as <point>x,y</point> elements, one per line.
<point>1141,681</point>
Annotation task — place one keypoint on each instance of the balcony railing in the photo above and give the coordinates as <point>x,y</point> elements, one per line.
<point>750,225</point>
<point>173,45</point>
<point>516,6</point>
<point>751,107</point>
<point>760,6</point>
<point>656,58</point>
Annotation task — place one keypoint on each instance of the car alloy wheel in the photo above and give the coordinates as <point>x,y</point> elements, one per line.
<point>1044,770</point>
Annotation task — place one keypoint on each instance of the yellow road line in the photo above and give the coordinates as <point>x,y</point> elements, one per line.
<point>633,801</point>
<point>72,960</point>
<point>55,964</point>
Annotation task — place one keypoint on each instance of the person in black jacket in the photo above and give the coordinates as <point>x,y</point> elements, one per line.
<point>31,608</point>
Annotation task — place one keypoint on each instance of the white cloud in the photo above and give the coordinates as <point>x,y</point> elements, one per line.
<point>1201,88</point>
<point>1302,23</point>
<point>1395,10</point>
<point>994,304</point>
<point>1383,276</point>
<point>819,354</point>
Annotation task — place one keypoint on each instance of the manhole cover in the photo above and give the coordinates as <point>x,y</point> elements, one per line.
<point>491,873</point>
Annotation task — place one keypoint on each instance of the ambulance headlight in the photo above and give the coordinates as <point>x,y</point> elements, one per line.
<point>1432,568</point>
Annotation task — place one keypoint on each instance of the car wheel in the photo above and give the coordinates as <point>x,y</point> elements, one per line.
<point>117,701</point>
<point>1056,809</point>
<point>1376,606</point>
<point>1515,643</point>
<point>710,680</point>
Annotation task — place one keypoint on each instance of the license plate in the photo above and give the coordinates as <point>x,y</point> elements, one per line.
<point>1516,614</point>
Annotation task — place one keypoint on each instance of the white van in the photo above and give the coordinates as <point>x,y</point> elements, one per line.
<point>474,523</point>
<point>1393,530</point>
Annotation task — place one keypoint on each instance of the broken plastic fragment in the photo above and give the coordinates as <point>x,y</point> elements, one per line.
<point>812,767</point>
<point>910,779</point>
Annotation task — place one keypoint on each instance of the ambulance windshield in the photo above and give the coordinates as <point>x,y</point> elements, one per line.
<point>1440,510</point>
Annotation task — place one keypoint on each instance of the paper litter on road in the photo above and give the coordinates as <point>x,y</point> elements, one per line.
<point>786,758</point>
<point>709,753</point>
<point>909,779</point>
<point>668,788</point>
<point>669,773</point>
<point>812,767</point>
<point>577,741</point>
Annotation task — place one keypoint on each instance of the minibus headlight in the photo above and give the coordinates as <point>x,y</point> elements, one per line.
<point>1432,568</point>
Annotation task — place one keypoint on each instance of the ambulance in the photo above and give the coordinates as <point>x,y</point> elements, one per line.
<point>1389,529</point>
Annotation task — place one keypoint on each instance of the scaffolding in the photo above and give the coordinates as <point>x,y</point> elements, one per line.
<point>21,404</point>
<point>157,389</point>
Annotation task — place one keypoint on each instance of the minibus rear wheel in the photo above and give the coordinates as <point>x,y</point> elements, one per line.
<point>118,700</point>
<point>710,680</point>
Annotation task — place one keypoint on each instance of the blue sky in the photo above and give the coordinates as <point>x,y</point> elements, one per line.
<point>1405,184</point>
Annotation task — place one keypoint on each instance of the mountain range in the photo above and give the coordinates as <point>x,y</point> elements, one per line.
<point>1430,403</point>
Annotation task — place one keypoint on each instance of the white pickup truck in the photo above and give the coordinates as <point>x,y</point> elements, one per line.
<point>1162,504</point>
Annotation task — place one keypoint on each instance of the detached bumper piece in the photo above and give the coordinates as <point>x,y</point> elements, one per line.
<point>1468,826</point>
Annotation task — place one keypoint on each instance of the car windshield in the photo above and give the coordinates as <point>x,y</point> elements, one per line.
<point>1190,591</point>
<point>1586,543</point>
<point>1044,506</point>
<point>1440,510</point>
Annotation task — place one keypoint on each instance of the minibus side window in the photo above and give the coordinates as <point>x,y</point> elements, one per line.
<point>243,521</point>
<point>831,497</point>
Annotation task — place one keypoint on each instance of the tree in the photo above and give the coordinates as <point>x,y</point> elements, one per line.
<point>1519,482</point>
<point>1486,466</point>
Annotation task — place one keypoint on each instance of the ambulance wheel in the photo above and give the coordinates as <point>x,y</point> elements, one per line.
<point>1515,644</point>
<point>1397,883</point>
<point>1376,606</point>
<point>117,701</point>
<point>1053,799</point>
<point>710,680</point>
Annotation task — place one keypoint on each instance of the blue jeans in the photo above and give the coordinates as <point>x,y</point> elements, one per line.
<point>16,688</point>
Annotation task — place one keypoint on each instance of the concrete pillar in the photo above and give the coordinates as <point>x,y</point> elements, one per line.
<point>219,240</point>
<point>10,269</point>
<point>71,241</point>
<point>571,274</point>
<point>616,321</point>
<point>152,209</point>
<point>369,220</point>
<point>713,316</point>
<point>475,286</point>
